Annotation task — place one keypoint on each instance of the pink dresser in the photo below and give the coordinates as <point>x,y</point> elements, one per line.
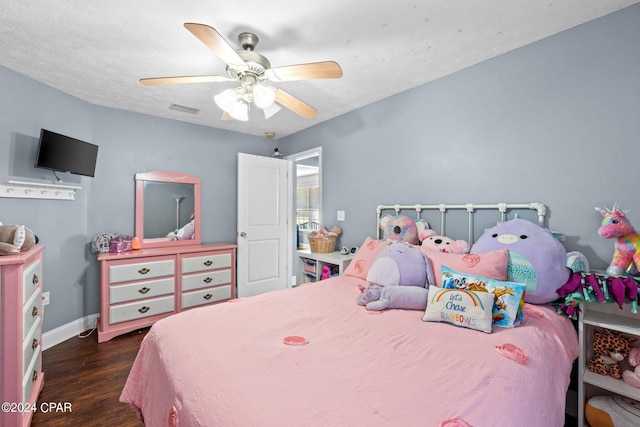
<point>21,376</point>
<point>140,287</point>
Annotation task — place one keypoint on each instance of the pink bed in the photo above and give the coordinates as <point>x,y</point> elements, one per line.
<point>227,365</point>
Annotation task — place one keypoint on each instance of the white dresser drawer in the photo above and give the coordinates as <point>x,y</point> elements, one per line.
<point>138,290</point>
<point>203,280</point>
<point>31,278</point>
<point>34,370</point>
<point>31,344</point>
<point>141,270</point>
<point>31,312</point>
<point>207,262</point>
<point>205,296</point>
<point>139,310</point>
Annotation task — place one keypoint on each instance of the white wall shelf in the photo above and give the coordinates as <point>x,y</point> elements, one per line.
<point>37,190</point>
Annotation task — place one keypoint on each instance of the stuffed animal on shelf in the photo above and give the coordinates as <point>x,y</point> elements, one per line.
<point>399,228</point>
<point>377,298</point>
<point>609,349</point>
<point>536,257</point>
<point>431,241</point>
<point>16,238</point>
<point>626,255</point>
<point>612,411</point>
<point>633,377</point>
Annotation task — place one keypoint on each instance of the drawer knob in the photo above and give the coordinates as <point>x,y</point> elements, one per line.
<point>208,280</point>
<point>144,270</point>
<point>34,344</point>
<point>34,376</point>
<point>34,311</point>
<point>208,262</point>
<point>208,296</point>
<point>144,290</point>
<point>143,309</point>
<point>35,279</point>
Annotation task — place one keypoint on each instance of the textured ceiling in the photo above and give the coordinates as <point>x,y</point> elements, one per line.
<point>98,50</point>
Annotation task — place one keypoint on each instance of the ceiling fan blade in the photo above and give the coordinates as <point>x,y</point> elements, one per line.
<point>214,41</point>
<point>184,79</point>
<point>294,104</point>
<point>310,71</point>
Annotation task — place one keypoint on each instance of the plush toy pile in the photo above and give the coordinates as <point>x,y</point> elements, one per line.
<point>525,253</point>
<point>16,238</point>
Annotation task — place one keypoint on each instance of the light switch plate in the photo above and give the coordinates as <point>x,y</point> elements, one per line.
<point>340,215</point>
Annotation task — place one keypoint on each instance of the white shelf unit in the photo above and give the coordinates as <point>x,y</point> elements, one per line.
<point>310,264</point>
<point>37,190</point>
<point>602,316</point>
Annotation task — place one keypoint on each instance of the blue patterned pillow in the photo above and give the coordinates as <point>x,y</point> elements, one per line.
<point>508,296</point>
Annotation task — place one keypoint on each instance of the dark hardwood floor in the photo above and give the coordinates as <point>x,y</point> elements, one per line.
<point>88,377</point>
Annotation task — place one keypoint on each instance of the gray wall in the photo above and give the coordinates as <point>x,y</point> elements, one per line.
<point>555,122</point>
<point>128,143</point>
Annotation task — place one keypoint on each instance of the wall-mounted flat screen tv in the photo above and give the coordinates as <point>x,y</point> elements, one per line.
<point>65,154</point>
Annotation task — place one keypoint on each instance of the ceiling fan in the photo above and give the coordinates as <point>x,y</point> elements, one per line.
<point>251,70</point>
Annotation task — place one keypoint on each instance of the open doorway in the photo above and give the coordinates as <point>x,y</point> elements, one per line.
<point>306,194</point>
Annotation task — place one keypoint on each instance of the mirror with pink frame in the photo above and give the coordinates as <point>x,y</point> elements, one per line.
<point>167,209</point>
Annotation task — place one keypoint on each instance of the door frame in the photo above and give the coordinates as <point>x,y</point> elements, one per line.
<point>293,158</point>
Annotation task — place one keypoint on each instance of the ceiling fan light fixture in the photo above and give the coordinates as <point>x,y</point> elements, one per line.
<point>271,110</point>
<point>263,96</point>
<point>240,111</point>
<point>226,100</point>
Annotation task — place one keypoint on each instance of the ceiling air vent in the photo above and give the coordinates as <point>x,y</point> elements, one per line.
<point>184,108</point>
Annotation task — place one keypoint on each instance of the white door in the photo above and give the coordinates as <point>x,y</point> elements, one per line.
<point>263,232</point>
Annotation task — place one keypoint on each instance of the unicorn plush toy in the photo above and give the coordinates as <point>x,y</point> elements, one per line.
<point>615,225</point>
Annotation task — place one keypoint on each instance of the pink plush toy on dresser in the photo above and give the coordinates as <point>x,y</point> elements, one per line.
<point>615,225</point>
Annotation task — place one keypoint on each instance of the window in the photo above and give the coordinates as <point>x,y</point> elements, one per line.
<point>307,211</point>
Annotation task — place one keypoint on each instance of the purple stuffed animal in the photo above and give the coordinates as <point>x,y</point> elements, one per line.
<point>377,298</point>
<point>400,264</point>
<point>536,257</point>
<point>398,278</point>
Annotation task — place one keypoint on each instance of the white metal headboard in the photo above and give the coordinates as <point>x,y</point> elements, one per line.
<point>502,208</point>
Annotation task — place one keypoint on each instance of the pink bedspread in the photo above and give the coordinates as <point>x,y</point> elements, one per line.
<point>226,365</point>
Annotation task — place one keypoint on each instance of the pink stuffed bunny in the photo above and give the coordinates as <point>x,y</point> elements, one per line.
<point>633,377</point>
<point>432,241</point>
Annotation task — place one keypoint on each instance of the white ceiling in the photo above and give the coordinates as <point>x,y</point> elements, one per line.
<point>97,50</point>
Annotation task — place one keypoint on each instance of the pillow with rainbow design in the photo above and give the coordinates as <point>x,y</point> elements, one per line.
<point>460,307</point>
<point>508,297</point>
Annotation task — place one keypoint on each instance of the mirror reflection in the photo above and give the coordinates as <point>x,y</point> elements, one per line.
<point>168,210</point>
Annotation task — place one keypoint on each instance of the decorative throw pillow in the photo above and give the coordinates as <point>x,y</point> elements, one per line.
<point>364,257</point>
<point>491,264</point>
<point>460,308</point>
<point>508,297</point>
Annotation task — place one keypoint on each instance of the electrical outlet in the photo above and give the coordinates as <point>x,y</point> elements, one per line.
<point>340,216</point>
<point>45,298</point>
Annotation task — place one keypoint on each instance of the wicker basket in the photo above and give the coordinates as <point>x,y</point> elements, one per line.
<point>322,243</point>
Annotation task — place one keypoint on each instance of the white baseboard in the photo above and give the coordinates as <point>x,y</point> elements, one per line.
<point>62,333</point>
